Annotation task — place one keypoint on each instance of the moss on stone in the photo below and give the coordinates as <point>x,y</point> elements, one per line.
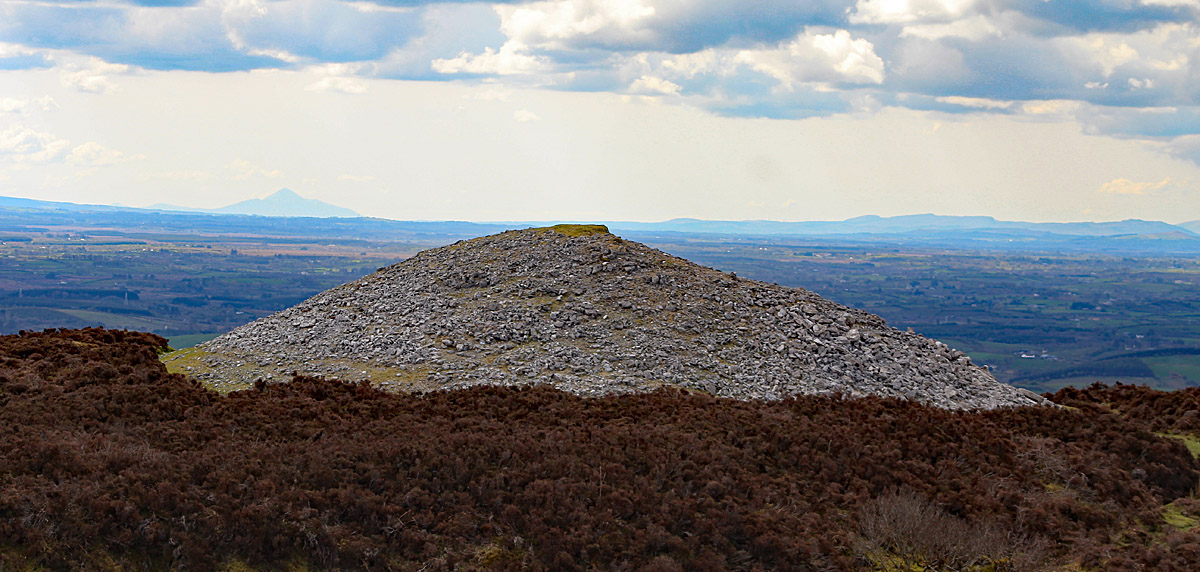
<point>577,229</point>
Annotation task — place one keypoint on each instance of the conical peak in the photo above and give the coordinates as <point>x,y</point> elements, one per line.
<point>284,194</point>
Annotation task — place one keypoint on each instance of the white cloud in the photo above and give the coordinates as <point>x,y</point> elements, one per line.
<point>8,50</point>
<point>23,144</point>
<point>1143,83</point>
<point>1109,52</point>
<point>1123,186</point>
<point>1192,3</point>
<point>836,57</point>
<point>296,31</point>
<point>236,14</point>
<point>373,8</point>
<point>975,28</point>
<point>281,55</point>
<point>1056,107</point>
<point>654,85</point>
<point>976,102</point>
<point>18,105</point>
<point>1158,64</point>
<point>524,115</point>
<point>94,76</point>
<point>96,155</point>
<point>816,59</point>
<point>905,11</point>
<point>697,63</point>
<point>556,23</point>
<point>11,105</point>
<point>511,59</point>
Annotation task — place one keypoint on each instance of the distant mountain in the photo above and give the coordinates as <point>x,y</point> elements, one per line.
<point>284,202</point>
<point>19,204</point>
<point>911,224</point>
<point>284,210</point>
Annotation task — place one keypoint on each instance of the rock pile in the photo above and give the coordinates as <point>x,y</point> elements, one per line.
<point>590,313</point>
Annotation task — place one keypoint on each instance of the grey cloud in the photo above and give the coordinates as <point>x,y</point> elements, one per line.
<point>1185,147</point>
<point>680,27</point>
<point>1153,68</point>
<point>419,3</point>
<point>210,38</point>
<point>1167,122</point>
<point>326,31</point>
<point>1111,53</point>
<point>104,32</point>
<point>448,30</point>
<point>164,3</point>
<point>1102,15</point>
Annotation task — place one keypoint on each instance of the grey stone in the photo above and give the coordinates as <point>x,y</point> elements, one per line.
<point>596,315</point>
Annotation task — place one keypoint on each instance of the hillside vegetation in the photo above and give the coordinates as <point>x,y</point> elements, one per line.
<point>109,462</point>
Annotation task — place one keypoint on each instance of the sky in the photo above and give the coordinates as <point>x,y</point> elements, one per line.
<point>636,110</point>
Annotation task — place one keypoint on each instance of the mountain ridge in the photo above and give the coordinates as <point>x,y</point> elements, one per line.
<point>911,226</point>
<point>283,202</point>
<point>863,224</point>
<point>906,224</point>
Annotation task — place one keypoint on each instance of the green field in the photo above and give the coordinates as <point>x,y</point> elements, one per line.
<point>1062,311</point>
<point>189,340</point>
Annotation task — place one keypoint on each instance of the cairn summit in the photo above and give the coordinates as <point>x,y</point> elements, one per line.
<point>585,311</point>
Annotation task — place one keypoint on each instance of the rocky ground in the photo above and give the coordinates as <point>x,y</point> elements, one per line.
<point>587,312</point>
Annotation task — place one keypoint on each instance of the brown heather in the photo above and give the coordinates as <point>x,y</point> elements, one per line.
<point>109,462</point>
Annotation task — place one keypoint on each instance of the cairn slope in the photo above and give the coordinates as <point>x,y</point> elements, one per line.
<point>590,313</point>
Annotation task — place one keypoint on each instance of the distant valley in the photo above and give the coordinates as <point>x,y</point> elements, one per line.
<point>982,232</point>
<point>922,224</point>
<point>1045,307</point>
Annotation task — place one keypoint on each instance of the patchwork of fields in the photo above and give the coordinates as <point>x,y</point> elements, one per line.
<point>1040,320</point>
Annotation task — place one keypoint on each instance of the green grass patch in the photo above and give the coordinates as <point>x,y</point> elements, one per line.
<point>1175,517</point>
<point>577,229</point>
<point>1190,441</point>
<point>189,340</point>
<point>118,321</point>
<point>1185,369</point>
<point>232,377</point>
<point>1056,384</point>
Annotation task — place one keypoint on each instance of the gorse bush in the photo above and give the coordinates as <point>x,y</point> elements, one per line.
<point>107,460</point>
